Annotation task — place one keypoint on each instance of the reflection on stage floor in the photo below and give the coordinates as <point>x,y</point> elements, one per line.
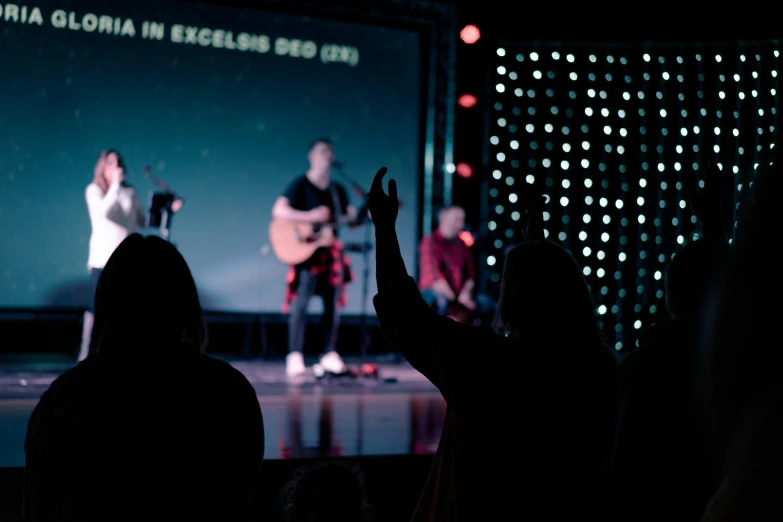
<point>399,413</point>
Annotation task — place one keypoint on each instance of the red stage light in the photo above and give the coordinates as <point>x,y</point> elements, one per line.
<point>467,101</point>
<point>470,34</point>
<point>467,238</point>
<point>464,170</point>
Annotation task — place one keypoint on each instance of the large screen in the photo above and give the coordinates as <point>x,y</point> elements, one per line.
<point>222,104</point>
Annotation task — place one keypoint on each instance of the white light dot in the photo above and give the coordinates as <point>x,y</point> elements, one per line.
<point>529,127</point>
<point>518,91</point>
<point>534,56</point>
<point>603,202</point>
<point>622,256</point>
<point>566,183</point>
<point>586,251</point>
<point>663,113</point>
<point>589,111</point>
<point>586,218</point>
<point>618,203</point>
<point>640,201</point>
<point>573,76</point>
<point>646,57</point>
<point>570,58</point>
<point>602,308</point>
<point>564,201</point>
<point>658,275</point>
<point>537,75</point>
<point>501,156</point>
<point>585,163</point>
<point>530,178</point>
<point>548,127</point>
<point>514,144</point>
<point>555,55</point>
<point>501,70</point>
<point>605,112</point>
<point>586,145</point>
<point>564,165</point>
<point>500,87</point>
<point>637,324</point>
<point>491,260</point>
<point>607,129</point>
<point>512,198</point>
<point>605,237</point>
<point>641,219</point>
<point>501,51</point>
<point>496,174</point>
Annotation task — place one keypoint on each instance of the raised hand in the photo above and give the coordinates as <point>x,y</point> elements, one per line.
<point>706,203</point>
<point>383,208</point>
<point>533,202</point>
<point>100,164</point>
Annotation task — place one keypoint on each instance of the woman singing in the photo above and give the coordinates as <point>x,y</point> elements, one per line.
<point>115,213</point>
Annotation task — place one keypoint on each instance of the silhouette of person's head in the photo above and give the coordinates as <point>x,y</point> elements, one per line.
<point>147,303</point>
<point>692,275</point>
<point>331,492</point>
<point>544,298</point>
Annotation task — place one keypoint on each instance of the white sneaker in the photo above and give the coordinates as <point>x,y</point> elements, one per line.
<point>332,363</point>
<point>294,364</point>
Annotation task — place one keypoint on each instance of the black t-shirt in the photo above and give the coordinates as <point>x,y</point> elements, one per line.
<point>303,195</point>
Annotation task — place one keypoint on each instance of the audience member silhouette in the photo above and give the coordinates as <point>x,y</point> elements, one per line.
<point>147,427</point>
<point>662,469</point>
<point>530,411</point>
<point>742,357</point>
<point>331,492</point>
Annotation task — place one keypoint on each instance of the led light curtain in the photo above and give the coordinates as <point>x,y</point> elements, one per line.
<point>613,132</point>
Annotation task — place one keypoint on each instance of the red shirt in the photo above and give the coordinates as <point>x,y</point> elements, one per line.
<point>449,259</point>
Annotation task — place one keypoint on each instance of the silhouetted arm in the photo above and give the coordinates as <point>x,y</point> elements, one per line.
<point>444,351</point>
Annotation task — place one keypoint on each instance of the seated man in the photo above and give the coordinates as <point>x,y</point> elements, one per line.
<point>447,271</point>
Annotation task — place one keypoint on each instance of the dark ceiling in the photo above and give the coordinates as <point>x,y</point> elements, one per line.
<point>662,21</point>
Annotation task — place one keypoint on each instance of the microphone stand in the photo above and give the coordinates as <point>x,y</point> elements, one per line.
<point>166,212</point>
<point>365,250</point>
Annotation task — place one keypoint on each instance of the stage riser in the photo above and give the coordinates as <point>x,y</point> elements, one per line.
<point>242,335</point>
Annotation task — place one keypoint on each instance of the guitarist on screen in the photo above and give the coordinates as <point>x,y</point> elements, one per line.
<point>315,199</point>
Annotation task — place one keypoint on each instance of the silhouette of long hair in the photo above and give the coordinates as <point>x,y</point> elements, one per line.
<point>326,492</point>
<point>146,304</point>
<point>741,358</point>
<point>100,178</point>
<point>545,300</point>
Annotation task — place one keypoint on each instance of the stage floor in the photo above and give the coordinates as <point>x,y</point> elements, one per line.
<point>400,413</point>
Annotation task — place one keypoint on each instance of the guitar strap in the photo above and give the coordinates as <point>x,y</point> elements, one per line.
<point>338,208</point>
<point>338,216</point>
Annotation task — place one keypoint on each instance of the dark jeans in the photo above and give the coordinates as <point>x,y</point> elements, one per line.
<point>485,305</point>
<point>95,275</point>
<point>306,289</point>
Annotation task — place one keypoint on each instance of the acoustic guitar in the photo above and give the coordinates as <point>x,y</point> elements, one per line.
<point>295,242</point>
